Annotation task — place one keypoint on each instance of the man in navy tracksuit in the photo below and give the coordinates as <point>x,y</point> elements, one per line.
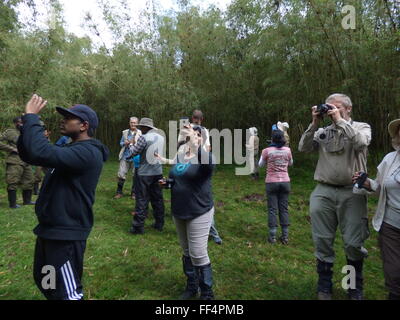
<point>64,205</point>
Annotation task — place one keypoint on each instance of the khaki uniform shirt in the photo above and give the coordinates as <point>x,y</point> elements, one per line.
<point>342,150</point>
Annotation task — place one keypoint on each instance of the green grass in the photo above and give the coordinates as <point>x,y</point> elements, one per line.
<point>119,265</point>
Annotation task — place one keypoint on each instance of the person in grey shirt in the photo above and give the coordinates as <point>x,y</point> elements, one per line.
<point>342,148</point>
<point>148,175</point>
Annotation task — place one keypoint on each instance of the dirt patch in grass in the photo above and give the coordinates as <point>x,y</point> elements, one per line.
<point>220,204</point>
<point>255,197</point>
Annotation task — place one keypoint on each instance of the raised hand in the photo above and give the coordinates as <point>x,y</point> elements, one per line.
<point>334,113</point>
<point>315,116</point>
<point>35,105</point>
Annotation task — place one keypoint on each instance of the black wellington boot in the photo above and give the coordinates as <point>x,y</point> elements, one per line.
<point>12,199</point>
<point>192,283</point>
<point>325,274</point>
<point>204,274</point>
<point>27,197</point>
<point>357,293</point>
<point>120,186</point>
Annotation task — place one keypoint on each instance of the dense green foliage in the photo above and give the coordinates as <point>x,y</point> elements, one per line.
<point>258,62</point>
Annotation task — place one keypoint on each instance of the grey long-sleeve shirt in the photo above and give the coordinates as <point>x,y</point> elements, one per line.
<point>342,150</point>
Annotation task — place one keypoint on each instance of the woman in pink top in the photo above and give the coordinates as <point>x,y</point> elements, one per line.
<point>277,157</point>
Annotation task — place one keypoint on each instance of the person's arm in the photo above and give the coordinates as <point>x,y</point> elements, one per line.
<point>122,141</point>
<point>263,159</point>
<point>261,162</point>
<point>370,186</point>
<point>375,185</point>
<point>138,147</point>
<point>360,137</point>
<point>35,149</point>
<point>307,142</point>
<point>290,158</point>
<point>165,160</point>
<point>5,146</point>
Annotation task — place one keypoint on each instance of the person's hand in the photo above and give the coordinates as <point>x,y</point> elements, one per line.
<point>367,183</point>
<point>15,150</point>
<point>127,142</point>
<point>355,177</point>
<point>316,117</point>
<point>334,113</point>
<point>35,105</point>
<point>162,182</point>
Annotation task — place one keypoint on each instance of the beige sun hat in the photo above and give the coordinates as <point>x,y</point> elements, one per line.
<point>393,127</point>
<point>146,122</point>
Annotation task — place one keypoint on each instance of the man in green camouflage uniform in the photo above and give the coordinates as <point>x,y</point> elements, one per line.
<point>17,171</point>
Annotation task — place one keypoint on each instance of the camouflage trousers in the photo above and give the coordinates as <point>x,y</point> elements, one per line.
<point>39,174</point>
<point>19,175</point>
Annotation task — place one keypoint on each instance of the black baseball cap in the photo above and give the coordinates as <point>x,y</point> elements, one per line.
<point>82,112</point>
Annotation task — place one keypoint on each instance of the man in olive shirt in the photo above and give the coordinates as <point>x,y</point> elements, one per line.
<point>342,148</point>
<point>17,171</point>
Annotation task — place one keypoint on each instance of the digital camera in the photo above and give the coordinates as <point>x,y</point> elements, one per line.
<point>323,108</point>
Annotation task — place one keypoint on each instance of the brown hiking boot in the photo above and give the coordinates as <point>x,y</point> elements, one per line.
<point>118,196</point>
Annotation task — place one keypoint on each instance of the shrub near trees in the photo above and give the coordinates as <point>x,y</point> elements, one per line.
<point>255,63</point>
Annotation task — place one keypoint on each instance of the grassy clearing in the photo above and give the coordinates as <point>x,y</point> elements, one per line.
<point>119,265</point>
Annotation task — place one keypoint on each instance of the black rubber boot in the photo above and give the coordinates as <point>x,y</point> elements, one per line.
<point>204,274</point>
<point>357,293</point>
<point>27,197</point>
<point>325,274</point>
<point>12,199</point>
<point>120,187</point>
<point>136,229</point>
<point>36,188</point>
<point>192,283</point>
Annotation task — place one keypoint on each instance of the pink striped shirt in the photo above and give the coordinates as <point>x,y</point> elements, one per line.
<point>277,160</point>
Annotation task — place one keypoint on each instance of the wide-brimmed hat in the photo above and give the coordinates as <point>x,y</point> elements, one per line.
<point>393,128</point>
<point>146,122</point>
